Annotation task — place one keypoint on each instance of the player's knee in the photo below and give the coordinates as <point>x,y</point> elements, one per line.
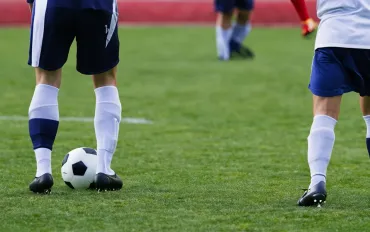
<point>321,136</point>
<point>243,17</point>
<point>365,105</point>
<point>225,19</point>
<point>329,106</point>
<point>52,78</point>
<point>107,78</point>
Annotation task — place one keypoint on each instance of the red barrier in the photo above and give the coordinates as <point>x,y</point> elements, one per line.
<point>272,12</point>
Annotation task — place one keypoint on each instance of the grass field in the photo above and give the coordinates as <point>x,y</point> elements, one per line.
<point>226,150</point>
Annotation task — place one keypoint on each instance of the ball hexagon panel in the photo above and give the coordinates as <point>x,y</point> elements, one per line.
<point>89,150</point>
<point>79,168</point>
<point>65,159</point>
<point>69,184</point>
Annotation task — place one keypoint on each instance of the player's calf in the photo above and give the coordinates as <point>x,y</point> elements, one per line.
<point>367,121</point>
<point>43,126</point>
<point>106,122</point>
<point>223,35</point>
<point>241,30</point>
<point>365,108</point>
<point>320,146</point>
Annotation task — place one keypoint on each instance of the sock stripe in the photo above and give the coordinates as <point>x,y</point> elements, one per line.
<point>43,132</point>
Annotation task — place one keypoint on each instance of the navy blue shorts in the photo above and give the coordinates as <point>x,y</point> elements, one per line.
<point>54,29</point>
<point>336,71</point>
<point>227,6</point>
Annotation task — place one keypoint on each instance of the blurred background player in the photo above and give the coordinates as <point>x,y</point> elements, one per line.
<point>341,64</point>
<point>55,24</point>
<point>308,24</point>
<point>230,36</point>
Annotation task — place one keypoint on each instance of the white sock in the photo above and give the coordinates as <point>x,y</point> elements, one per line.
<point>43,160</point>
<point>367,121</point>
<point>320,146</point>
<point>106,121</point>
<point>223,37</point>
<point>240,32</point>
<point>44,105</point>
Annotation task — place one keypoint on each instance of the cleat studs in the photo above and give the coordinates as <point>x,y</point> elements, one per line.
<point>320,201</point>
<point>315,200</point>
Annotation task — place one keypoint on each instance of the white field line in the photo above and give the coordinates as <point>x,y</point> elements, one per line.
<point>78,119</point>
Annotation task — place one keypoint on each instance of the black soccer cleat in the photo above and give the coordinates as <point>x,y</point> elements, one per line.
<point>42,184</point>
<point>104,182</point>
<point>315,196</point>
<point>240,50</point>
<point>246,52</point>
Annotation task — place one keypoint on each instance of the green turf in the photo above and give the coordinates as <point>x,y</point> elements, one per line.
<point>226,152</point>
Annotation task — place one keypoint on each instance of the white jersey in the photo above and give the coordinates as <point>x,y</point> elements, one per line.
<point>344,23</point>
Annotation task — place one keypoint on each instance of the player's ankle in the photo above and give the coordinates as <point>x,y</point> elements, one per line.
<point>317,178</point>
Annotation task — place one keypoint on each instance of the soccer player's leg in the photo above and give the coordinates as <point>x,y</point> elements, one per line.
<point>308,24</point>
<point>320,145</point>
<point>225,10</point>
<point>328,83</point>
<point>51,38</point>
<point>242,28</point>
<point>364,69</point>
<point>365,108</point>
<point>98,55</point>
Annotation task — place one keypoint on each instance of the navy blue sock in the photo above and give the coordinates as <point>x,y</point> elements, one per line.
<point>234,46</point>
<point>43,132</point>
<point>368,145</point>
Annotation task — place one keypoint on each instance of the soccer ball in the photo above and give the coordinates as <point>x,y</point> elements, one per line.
<point>79,167</point>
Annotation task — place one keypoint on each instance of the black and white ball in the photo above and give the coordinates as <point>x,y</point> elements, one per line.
<point>79,167</point>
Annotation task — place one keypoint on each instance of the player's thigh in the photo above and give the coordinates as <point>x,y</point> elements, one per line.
<point>244,5</point>
<point>365,105</point>
<point>362,59</point>
<point>224,6</point>
<point>225,10</point>
<point>330,79</point>
<point>243,16</point>
<point>97,41</point>
<point>329,106</point>
<point>329,76</point>
<point>52,33</point>
<point>359,64</point>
